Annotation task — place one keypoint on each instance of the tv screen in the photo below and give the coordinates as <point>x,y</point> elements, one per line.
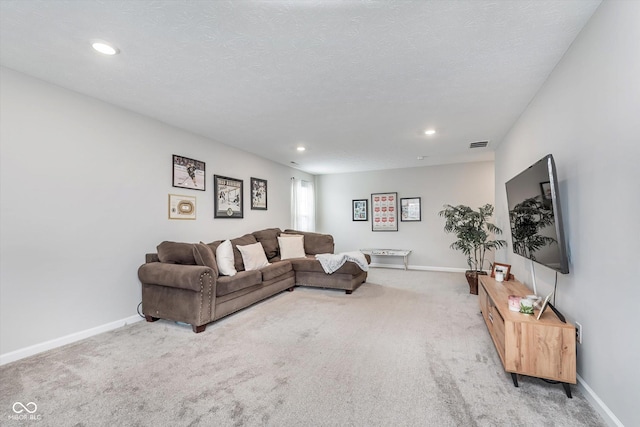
<point>534,215</point>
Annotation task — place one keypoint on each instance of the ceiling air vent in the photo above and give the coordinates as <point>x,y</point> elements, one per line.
<point>479,144</point>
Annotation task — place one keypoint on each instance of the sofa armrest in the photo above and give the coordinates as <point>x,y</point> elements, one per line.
<point>176,275</point>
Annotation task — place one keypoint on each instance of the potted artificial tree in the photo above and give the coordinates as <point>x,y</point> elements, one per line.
<point>473,231</point>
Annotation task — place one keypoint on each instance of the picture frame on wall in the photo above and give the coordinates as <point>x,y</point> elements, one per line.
<point>258,194</point>
<point>360,210</point>
<point>189,173</point>
<point>182,207</point>
<point>410,209</point>
<point>384,211</point>
<point>228,197</point>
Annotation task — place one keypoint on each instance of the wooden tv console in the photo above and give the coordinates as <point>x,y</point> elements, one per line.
<point>544,348</point>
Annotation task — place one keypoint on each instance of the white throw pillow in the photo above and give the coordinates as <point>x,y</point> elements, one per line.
<point>291,246</point>
<point>253,256</point>
<point>224,258</point>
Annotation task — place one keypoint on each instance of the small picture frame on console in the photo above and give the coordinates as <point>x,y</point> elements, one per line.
<point>545,304</point>
<point>505,269</point>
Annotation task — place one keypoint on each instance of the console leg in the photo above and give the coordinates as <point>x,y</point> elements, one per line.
<point>567,390</point>
<point>198,329</point>
<point>514,377</point>
<point>150,318</point>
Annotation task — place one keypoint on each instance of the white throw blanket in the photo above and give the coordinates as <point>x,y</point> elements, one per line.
<point>332,262</point>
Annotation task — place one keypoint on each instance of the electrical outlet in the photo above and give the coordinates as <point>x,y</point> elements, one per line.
<point>579,333</point>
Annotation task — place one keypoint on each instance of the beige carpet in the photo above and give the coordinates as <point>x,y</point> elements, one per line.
<point>408,348</point>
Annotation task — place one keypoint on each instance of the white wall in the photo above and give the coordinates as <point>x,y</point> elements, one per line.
<point>84,194</point>
<point>587,115</point>
<point>464,183</point>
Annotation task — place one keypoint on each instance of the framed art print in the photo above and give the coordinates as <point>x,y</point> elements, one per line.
<point>228,197</point>
<point>182,207</point>
<point>259,194</point>
<point>384,212</point>
<point>360,210</point>
<point>188,173</point>
<point>410,209</point>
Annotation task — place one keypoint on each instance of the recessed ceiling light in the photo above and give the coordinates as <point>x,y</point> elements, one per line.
<point>429,132</point>
<point>300,149</point>
<point>104,47</point>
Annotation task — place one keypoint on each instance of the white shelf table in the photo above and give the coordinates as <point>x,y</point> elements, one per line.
<point>404,253</point>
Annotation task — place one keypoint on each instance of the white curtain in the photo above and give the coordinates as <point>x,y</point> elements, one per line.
<point>303,206</point>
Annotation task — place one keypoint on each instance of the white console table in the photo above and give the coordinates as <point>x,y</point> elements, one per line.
<point>404,253</point>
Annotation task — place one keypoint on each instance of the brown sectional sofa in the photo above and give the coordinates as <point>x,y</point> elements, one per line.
<point>181,281</point>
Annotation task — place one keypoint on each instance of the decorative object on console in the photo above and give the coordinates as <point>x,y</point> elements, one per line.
<point>188,173</point>
<point>505,269</point>
<point>258,194</point>
<point>384,212</point>
<point>360,210</point>
<point>228,197</point>
<point>526,306</point>
<point>182,207</point>
<point>410,209</point>
<point>472,229</point>
<point>514,302</point>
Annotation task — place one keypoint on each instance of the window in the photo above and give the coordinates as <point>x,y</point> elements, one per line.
<point>303,206</point>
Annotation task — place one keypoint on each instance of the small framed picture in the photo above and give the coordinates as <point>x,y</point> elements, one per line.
<point>188,173</point>
<point>228,197</point>
<point>182,207</point>
<point>545,304</point>
<point>360,210</point>
<point>258,194</point>
<point>502,268</point>
<point>410,209</point>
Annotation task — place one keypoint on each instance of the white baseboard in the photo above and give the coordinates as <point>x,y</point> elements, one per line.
<point>419,267</point>
<point>598,404</point>
<point>67,339</point>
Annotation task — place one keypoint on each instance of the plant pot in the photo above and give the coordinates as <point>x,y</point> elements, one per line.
<point>472,279</point>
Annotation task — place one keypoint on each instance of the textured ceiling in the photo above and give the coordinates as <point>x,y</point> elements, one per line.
<point>356,82</point>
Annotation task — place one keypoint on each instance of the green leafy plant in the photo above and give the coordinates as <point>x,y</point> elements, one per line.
<point>473,231</point>
<point>527,219</point>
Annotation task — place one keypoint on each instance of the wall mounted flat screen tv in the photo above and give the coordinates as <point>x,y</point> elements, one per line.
<point>534,215</point>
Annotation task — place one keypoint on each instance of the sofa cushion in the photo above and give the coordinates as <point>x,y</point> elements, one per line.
<point>253,256</point>
<point>312,265</point>
<point>269,239</point>
<point>225,258</point>
<point>291,246</point>
<point>204,256</point>
<point>276,269</point>
<point>315,243</point>
<point>176,253</point>
<point>247,239</point>
<point>244,279</point>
